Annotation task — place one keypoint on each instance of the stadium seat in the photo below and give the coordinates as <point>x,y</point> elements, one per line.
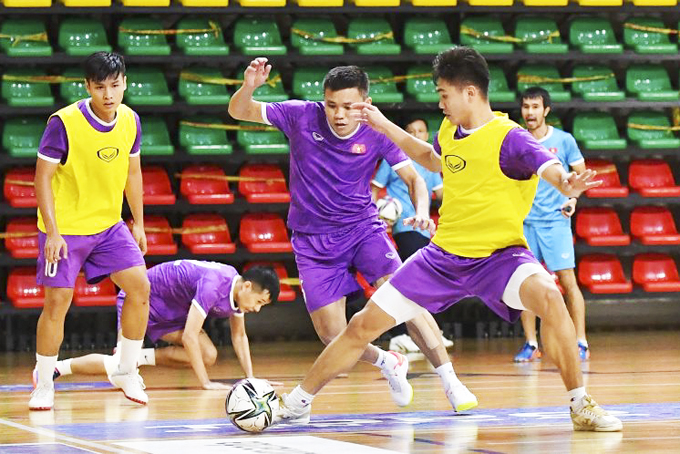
<point>208,43</point>
<point>26,3</point>
<point>23,247</point>
<point>264,233</point>
<point>426,35</point>
<point>157,189</point>
<point>652,225</point>
<point>596,90</point>
<point>609,175</point>
<point>647,42</point>
<point>421,88</point>
<point>603,273</point>
<point>203,93</point>
<point>383,89</point>
<point>488,26</point>
<point>16,47</point>
<point>155,137</point>
<point>556,89</point>
<point>257,35</point>
<point>369,28</point>
<point>262,142</point>
<point>652,178</point>
<point>147,87</point>
<point>262,3</point>
<point>150,3</point>
<point>22,290</point>
<point>600,227</point>
<point>286,292</point>
<point>75,90</point>
<point>205,191</point>
<point>18,188</point>
<point>26,94</point>
<point>535,32</point>
<point>499,91</point>
<point>200,141</point>
<point>650,83</point>
<point>308,83</point>
<point>656,273</point>
<point>649,138</point>
<point>158,242</point>
<point>263,191</point>
<point>597,131</point>
<point>85,3</point>
<point>81,37</point>
<point>21,136</point>
<point>103,293</point>
<point>142,44</point>
<point>319,28</point>
<point>593,35</point>
<point>206,242</point>
<point>270,93</point>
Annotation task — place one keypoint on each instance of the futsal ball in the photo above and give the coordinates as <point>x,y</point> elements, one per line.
<point>389,209</point>
<point>251,404</point>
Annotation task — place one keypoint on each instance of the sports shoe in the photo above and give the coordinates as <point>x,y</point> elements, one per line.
<point>42,398</point>
<point>403,344</point>
<point>131,384</point>
<point>286,414</point>
<point>592,417</point>
<point>400,389</point>
<point>447,343</point>
<point>55,375</point>
<point>583,352</point>
<point>528,353</point>
<point>461,398</point>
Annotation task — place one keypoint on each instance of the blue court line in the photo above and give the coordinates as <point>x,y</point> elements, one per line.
<point>42,448</point>
<point>74,386</point>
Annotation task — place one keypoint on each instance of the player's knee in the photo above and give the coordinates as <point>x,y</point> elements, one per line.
<point>328,332</point>
<point>56,306</point>
<point>360,328</point>
<point>210,355</point>
<point>141,291</point>
<point>553,303</point>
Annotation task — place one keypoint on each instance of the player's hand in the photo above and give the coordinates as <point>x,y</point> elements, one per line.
<point>366,113</point>
<point>421,223</point>
<point>54,243</point>
<point>573,185</point>
<point>140,237</point>
<point>568,208</point>
<point>216,386</point>
<point>257,73</point>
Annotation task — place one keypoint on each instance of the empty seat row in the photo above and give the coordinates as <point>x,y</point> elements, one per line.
<point>648,177</point>
<point>603,273</point>
<point>650,225</point>
<point>645,128</point>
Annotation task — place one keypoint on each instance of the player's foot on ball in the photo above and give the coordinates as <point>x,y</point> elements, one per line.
<point>291,415</point>
<point>400,389</point>
<point>461,398</point>
<point>587,415</point>
<point>132,386</point>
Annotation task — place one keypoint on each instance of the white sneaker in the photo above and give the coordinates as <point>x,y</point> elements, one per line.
<point>461,398</point>
<point>286,414</point>
<point>400,389</point>
<point>403,344</point>
<point>42,398</point>
<point>447,343</point>
<point>591,417</point>
<point>132,386</point>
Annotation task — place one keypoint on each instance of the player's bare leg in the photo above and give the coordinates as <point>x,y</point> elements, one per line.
<point>577,309</point>
<point>176,356</point>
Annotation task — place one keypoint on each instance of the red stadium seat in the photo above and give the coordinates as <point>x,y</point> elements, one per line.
<point>652,178</point>
<point>158,242</point>
<point>18,188</point>
<point>603,273</point>
<point>22,290</point>
<point>263,191</point>
<point>23,247</point>
<point>102,293</point>
<point>215,242</point>
<point>287,293</point>
<point>157,190</point>
<point>264,233</point>
<point>653,225</point>
<point>205,191</point>
<point>600,227</point>
<point>656,273</point>
<point>368,289</point>
<point>611,183</point>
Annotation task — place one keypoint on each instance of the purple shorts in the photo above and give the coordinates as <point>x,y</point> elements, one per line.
<point>99,255</point>
<point>436,279</point>
<point>326,261</point>
<point>156,327</point>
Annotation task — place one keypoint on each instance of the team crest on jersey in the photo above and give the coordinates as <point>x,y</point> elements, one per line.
<point>318,137</point>
<point>107,154</point>
<point>553,150</point>
<point>359,148</point>
<point>455,163</point>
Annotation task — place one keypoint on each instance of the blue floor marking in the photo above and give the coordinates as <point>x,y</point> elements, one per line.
<point>75,386</point>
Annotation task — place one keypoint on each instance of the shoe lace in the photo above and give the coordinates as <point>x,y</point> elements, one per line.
<point>592,409</point>
<point>40,391</point>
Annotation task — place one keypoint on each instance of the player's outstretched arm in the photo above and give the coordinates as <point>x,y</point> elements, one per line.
<point>192,345</point>
<point>134,193</point>
<point>242,106</point>
<point>44,171</point>
<point>239,339</point>
<point>420,197</point>
<point>570,184</point>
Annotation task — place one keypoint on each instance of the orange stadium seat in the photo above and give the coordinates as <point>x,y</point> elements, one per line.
<point>18,188</point>
<point>603,273</point>
<point>263,191</point>
<point>23,247</point>
<point>366,286</point>
<point>600,227</point>
<point>656,273</point>
<point>611,184</point>
<point>287,293</point>
<point>103,293</point>
<point>264,233</point>
<point>157,189</point>
<point>652,178</point>
<point>22,290</point>
<point>205,191</point>
<point>653,225</point>
<point>158,242</point>
<point>207,242</point>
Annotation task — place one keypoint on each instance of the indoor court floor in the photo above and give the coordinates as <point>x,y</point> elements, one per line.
<point>523,408</point>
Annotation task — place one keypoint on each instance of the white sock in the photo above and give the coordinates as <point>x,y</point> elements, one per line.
<point>147,357</point>
<point>64,367</point>
<point>298,398</point>
<point>533,343</point>
<point>386,360</point>
<point>448,376</point>
<point>111,363</point>
<point>576,396</point>
<point>129,353</point>
<point>583,342</point>
<point>45,369</point>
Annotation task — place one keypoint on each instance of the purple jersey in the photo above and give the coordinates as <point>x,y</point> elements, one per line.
<point>329,175</point>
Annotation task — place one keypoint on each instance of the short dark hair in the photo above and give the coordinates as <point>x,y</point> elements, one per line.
<point>265,278</point>
<point>414,119</point>
<point>342,77</point>
<point>102,65</point>
<point>536,92</point>
<point>462,66</point>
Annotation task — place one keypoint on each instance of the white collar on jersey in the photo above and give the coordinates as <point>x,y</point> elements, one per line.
<point>99,120</point>
<point>348,136</point>
<point>547,136</point>
<point>232,303</point>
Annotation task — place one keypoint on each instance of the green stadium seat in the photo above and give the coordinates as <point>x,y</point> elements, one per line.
<point>206,43</point>
<point>262,142</point>
<point>597,131</point>
<point>21,136</point>
<point>594,35</point>
<point>258,36</point>
<point>203,93</point>
<point>650,83</point>
<point>147,87</point>
<point>488,26</point>
<point>365,28</point>
<point>498,86</point>
<point>82,37</point>
<point>383,91</point>
<point>422,88</point>
<point>26,94</point>
<point>426,35</point>
<point>204,141</point>
<point>320,27</point>
<point>596,90</point>
<point>269,93</point>
<point>142,44</point>
<point>155,137</point>
<point>308,83</point>
<point>20,47</point>
<point>556,89</point>
<point>648,42</point>
<point>73,91</point>
<point>651,138</point>
<point>536,32</point>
